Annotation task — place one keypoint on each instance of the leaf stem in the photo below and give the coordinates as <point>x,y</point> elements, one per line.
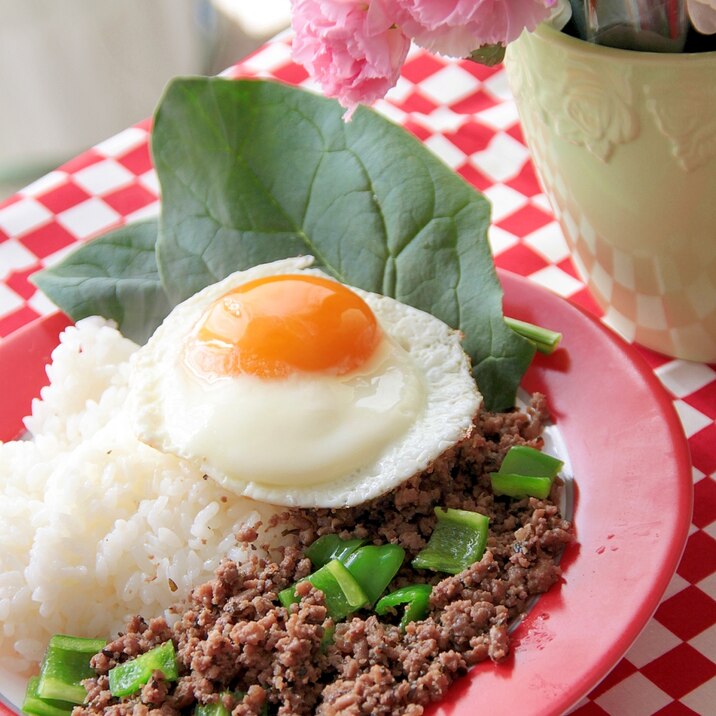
<point>545,340</point>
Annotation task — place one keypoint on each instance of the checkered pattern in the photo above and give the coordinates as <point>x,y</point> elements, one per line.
<point>465,114</point>
<point>628,284</point>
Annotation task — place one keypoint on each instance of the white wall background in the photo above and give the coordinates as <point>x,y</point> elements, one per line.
<point>74,72</point>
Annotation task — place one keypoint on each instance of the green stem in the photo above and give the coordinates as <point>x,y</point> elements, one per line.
<point>545,340</point>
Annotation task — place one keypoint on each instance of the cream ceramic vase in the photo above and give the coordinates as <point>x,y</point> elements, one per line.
<point>624,144</point>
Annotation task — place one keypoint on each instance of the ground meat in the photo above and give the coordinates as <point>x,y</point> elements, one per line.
<point>459,479</point>
<point>236,645</point>
<point>139,637</point>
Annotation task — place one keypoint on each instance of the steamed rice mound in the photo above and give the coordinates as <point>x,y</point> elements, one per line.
<point>94,525</point>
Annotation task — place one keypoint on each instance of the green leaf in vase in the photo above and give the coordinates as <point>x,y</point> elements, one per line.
<point>489,55</point>
<point>254,171</point>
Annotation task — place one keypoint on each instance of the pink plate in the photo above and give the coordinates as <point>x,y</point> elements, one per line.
<point>632,506</point>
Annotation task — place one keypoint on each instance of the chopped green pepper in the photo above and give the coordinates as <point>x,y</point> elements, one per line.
<point>342,593</point>
<point>458,540</point>
<point>328,547</point>
<point>520,485</point>
<point>545,340</point>
<point>525,472</point>
<point>374,567</point>
<point>288,596</point>
<point>416,597</point>
<point>129,677</point>
<point>524,460</point>
<point>65,666</point>
<point>371,567</point>
<point>217,709</point>
<point>35,705</point>
<point>327,638</point>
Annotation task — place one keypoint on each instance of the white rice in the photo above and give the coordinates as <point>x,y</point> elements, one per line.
<point>94,525</point>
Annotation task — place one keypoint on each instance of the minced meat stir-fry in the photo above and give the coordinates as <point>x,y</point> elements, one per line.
<point>241,650</point>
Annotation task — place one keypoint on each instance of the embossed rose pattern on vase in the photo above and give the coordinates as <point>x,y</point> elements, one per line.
<point>690,124</point>
<point>591,108</point>
<point>596,109</point>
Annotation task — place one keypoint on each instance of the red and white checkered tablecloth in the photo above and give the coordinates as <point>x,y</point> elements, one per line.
<point>465,114</point>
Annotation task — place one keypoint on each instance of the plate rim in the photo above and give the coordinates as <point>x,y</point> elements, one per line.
<point>532,638</point>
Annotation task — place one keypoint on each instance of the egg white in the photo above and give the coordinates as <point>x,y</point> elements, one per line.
<point>437,404</point>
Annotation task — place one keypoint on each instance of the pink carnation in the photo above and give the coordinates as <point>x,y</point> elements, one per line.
<point>354,57</point>
<point>457,27</point>
<point>703,15</point>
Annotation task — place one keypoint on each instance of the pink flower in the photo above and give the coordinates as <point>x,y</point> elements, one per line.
<point>353,56</point>
<point>457,27</point>
<point>703,15</point>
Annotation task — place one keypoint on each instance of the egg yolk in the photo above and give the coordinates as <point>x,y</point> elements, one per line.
<point>275,326</point>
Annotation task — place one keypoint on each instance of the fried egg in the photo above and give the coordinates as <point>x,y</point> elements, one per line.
<point>288,387</point>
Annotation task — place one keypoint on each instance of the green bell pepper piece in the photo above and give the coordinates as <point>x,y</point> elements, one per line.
<point>217,709</point>
<point>65,666</point>
<point>328,547</point>
<point>129,677</point>
<point>520,485</point>
<point>458,540</point>
<point>288,596</point>
<point>374,567</point>
<point>416,597</point>
<point>34,705</point>
<point>524,460</point>
<point>525,472</point>
<point>327,638</point>
<point>342,593</point>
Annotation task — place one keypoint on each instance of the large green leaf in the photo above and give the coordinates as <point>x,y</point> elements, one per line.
<point>253,171</point>
<point>114,276</point>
